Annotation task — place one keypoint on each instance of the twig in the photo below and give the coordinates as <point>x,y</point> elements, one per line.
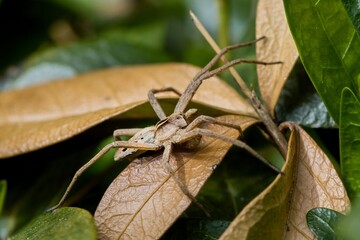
<point>261,110</point>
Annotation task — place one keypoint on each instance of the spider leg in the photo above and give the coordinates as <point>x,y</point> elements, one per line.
<point>116,144</point>
<point>189,114</point>
<point>227,65</point>
<point>205,73</point>
<point>181,185</point>
<point>207,119</point>
<point>155,103</point>
<point>222,53</point>
<point>118,133</point>
<point>204,132</point>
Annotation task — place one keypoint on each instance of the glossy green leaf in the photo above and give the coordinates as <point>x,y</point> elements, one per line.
<point>3,186</point>
<point>350,141</point>
<point>353,9</point>
<point>323,223</point>
<point>328,45</point>
<point>63,223</point>
<point>299,102</point>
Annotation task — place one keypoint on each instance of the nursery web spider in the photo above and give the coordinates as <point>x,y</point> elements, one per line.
<point>179,128</point>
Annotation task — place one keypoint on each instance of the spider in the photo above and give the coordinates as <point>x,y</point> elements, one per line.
<point>180,128</point>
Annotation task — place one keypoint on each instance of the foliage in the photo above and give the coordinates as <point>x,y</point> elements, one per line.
<point>50,127</point>
<point>349,141</point>
<point>323,222</point>
<point>65,223</point>
<point>328,41</point>
<point>328,50</point>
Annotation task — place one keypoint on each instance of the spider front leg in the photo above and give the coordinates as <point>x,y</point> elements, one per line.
<point>116,144</point>
<point>222,52</point>
<point>204,132</point>
<point>207,73</point>
<point>155,103</point>
<point>165,163</point>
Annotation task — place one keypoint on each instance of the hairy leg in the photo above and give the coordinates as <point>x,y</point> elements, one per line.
<point>207,119</point>
<point>116,144</point>
<point>155,103</point>
<point>118,133</point>
<point>229,64</point>
<point>204,132</point>
<point>222,53</point>
<point>205,73</point>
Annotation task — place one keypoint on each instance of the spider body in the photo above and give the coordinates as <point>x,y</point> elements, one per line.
<point>168,128</point>
<point>180,128</point>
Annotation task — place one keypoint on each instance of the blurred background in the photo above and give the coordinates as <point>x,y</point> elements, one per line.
<point>42,40</point>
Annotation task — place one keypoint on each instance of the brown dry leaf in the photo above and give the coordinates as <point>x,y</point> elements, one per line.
<point>144,201</point>
<point>278,46</point>
<point>42,115</point>
<point>310,181</point>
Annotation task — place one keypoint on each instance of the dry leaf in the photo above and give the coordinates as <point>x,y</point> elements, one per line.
<point>278,46</point>
<point>144,201</point>
<point>42,115</point>
<point>310,181</point>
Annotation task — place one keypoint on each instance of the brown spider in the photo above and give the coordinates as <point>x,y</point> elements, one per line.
<point>179,128</point>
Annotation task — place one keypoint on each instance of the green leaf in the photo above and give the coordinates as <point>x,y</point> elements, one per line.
<point>3,187</point>
<point>328,45</point>
<point>323,223</point>
<point>63,223</point>
<point>353,9</point>
<point>299,102</point>
<point>350,141</point>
